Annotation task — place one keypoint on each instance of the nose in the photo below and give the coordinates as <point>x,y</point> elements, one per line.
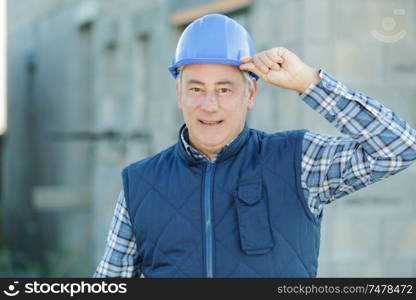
<point>210,102</point>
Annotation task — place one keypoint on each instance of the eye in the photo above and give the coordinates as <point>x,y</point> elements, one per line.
<point>195,90</point>
<point>224,91</point>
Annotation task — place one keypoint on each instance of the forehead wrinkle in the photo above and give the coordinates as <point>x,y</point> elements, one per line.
<point>194,81</point>
<point>221,82</point>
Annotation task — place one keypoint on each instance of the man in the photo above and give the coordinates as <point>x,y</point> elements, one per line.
<point>230,201</point>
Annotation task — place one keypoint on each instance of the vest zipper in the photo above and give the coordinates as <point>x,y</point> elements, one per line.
<point>209,171</point>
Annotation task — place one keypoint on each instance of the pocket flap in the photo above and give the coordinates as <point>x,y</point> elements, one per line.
<point>253,219</point>
<point>250,193</point>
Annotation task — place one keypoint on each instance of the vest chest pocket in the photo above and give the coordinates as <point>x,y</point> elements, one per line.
<point>253,218</point>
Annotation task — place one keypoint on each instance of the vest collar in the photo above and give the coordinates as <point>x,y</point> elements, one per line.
<point>223,154</point>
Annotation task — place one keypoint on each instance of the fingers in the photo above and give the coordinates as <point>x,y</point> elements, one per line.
<point>251,67</point>
<point>245,59</point>
<point>273,55</point>
<point>259,64</point>
<point>254,65</point>
<point>266,60</point>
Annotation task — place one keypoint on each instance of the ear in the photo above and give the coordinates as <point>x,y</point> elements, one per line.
<point>178,94</point>
<point>252,93</point>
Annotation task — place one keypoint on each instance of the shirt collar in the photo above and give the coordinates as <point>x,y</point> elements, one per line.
<point>195,153</point>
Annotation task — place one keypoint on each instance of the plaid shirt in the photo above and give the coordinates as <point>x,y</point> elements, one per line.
<point>377,144</point>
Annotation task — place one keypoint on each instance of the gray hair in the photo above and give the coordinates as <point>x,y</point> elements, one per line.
<point>248,80</point>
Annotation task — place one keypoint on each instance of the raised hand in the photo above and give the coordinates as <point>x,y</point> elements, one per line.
<point>281,67</point>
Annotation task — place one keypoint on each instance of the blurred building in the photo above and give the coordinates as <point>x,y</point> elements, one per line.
<point>89,92</point>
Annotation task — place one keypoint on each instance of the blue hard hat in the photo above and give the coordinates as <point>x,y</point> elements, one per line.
<point>212,39</point>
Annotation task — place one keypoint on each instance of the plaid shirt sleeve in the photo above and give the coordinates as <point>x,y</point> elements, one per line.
<point>120,256</point>
<point>378,143</point>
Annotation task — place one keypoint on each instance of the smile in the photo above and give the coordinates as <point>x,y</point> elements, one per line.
<point>210,124</point>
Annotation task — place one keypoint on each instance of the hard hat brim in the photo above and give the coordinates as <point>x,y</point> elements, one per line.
<point>173,69</point>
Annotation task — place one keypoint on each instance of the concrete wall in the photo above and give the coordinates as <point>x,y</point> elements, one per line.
<point>89,92</point>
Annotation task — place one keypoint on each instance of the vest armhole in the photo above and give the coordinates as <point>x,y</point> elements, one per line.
<point>125,180</point>
<point>299,137</point>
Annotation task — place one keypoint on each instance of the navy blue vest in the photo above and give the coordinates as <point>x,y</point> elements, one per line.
<point>243,216</point>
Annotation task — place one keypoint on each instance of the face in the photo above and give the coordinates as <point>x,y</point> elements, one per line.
<point>214,101</point>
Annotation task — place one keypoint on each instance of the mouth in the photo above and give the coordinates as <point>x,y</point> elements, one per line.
<point>210,124</point>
